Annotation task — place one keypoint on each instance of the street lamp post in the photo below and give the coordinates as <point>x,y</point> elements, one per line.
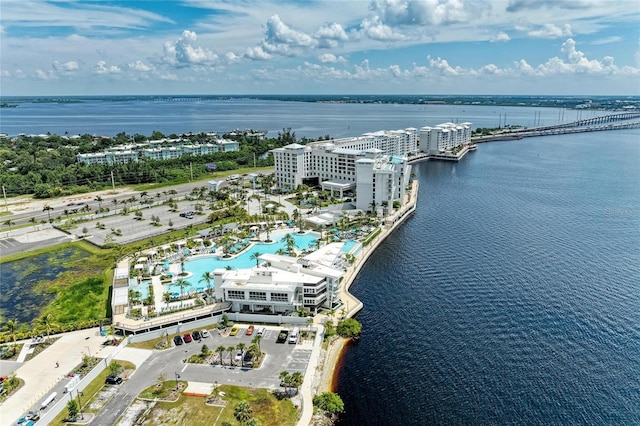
<point>177,377</point>
<point>80,404</point>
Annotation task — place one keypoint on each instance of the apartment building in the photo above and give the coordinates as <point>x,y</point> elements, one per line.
<point>444,137</point>
<point>152,151</point>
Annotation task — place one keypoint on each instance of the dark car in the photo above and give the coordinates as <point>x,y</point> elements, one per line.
<point>178,340</point>
<point>196,335</point>
<point>113,380</point>
<point>187,338</point>
<point>282,336</point>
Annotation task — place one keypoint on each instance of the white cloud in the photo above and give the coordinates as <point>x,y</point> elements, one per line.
<point>103,68</point>
<point>330,35</point>
<point>181,53</point>
<point>376,30</point>
<point>280,34</point>
<point>551,31</point>
<point>330,58</point>
<point>256,53</point>
<point>420,12</point>
<point>442,67</point>
<point>66,67</point>
<point>140,66</point>
<point>500,37</point>
<point>607,40</point>
<point>232,57</point>
<point>5,73</point>
<point>44,75</point>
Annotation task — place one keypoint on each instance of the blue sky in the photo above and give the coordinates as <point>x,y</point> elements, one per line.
<point>573,47</point>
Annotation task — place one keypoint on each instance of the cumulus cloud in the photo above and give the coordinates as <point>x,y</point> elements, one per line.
<point>140,66</point>
<point>256,53</point>
<point>420,12</point>
<point>66,67</point>
<point>551,31</point>
<point>442,67</point>
<point>42,75</point>
<point>500,37</point>
<point>330,35</point>
<point>182,53</point>
<point>376,30</point>
<point>330,58</point>
<point>103,68</point>
<point>232,57</point>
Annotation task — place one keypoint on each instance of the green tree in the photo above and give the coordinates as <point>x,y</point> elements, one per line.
<point>295,380</point>
<point>46,322</point>
<point>99,200</point>
<point>285,380</point>
<point>290,242</point>
<point>221,349</point>
<point>205,351</point>
<point>230,349</point>
<point>349,328</point>
<point>256,341</point>
<point>206,278</point>
<point>182,284</point>
<point>242,412</point>
<point>11,326</point>
<point>255,256</point>
<point>329,402</point>
<point>48,210</point>
<point>72,407</point>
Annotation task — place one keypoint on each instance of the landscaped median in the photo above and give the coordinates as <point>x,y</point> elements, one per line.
<point>94,396</point>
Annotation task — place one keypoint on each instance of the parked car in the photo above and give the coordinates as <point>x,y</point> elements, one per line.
<point>187,338</point>
<point>238,356</point>
<point>113,380</point>
<point>177,340</point>
<point>205,333</point>
<point>234,330</point>
<point>249,331</point>
<point>282,336</point>
<point>196,335</point>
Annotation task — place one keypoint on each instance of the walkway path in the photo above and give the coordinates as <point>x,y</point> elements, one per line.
<point>41,375</point>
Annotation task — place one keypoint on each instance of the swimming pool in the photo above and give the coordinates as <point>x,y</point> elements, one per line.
<point>207,264</point>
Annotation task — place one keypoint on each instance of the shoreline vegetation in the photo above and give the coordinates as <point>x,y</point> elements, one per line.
<point>602,102</point>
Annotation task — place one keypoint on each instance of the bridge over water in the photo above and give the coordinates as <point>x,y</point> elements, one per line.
<point>618,121</point>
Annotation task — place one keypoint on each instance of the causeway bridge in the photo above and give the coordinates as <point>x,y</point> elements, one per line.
<point>618,121</point>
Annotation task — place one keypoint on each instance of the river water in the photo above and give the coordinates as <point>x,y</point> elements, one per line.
<point>511,296</point>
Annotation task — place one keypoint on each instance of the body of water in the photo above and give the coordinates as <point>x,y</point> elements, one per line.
<point>512,296</point>
<point>109,117</point>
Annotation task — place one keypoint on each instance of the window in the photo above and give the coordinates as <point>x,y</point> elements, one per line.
<point>235,295</point>
<point>257,295</point>
<point>279,297</point>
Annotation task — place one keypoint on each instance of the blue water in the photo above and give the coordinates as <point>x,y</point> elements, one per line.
<point>512,295</point>
<point>308,119</point>
<point>201,265</point>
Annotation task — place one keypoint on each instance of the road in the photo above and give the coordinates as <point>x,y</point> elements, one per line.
<point>169,362</point>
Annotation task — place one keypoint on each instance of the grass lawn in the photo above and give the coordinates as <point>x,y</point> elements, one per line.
<point>192,410</point>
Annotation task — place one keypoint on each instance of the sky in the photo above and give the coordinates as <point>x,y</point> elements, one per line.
<point>218,47</point>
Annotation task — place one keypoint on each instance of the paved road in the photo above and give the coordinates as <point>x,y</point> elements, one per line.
<point>170,362</point>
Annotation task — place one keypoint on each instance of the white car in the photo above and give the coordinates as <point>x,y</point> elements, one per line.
<point>204,333</point>
<point>238,356</point>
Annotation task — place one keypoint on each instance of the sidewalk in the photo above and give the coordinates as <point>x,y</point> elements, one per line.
<point>40,373</point>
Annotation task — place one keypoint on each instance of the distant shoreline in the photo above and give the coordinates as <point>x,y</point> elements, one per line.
<point>601,102</point>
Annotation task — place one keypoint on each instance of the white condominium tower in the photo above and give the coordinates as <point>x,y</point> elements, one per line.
<point>335,165</point>
<point>444,137</point>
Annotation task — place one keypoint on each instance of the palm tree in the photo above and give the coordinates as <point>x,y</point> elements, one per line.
<point>182,284</point>
<point>206,278</point>
<point>255,256</point>
<point>241,347</point>
<point>11,327</point>
<point>230,349</point>
<point>221,349</point>
<point>46,321</point>
<point>290,242</point>
<point>256,341</point>
<point>99,200</point>
<point>242,412</point>
<point>254,351</point>
<point>9,223</point>
<point>33,221</point>
<point>48,210</point>
<point>295,379</point>
<point>284,379</point>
